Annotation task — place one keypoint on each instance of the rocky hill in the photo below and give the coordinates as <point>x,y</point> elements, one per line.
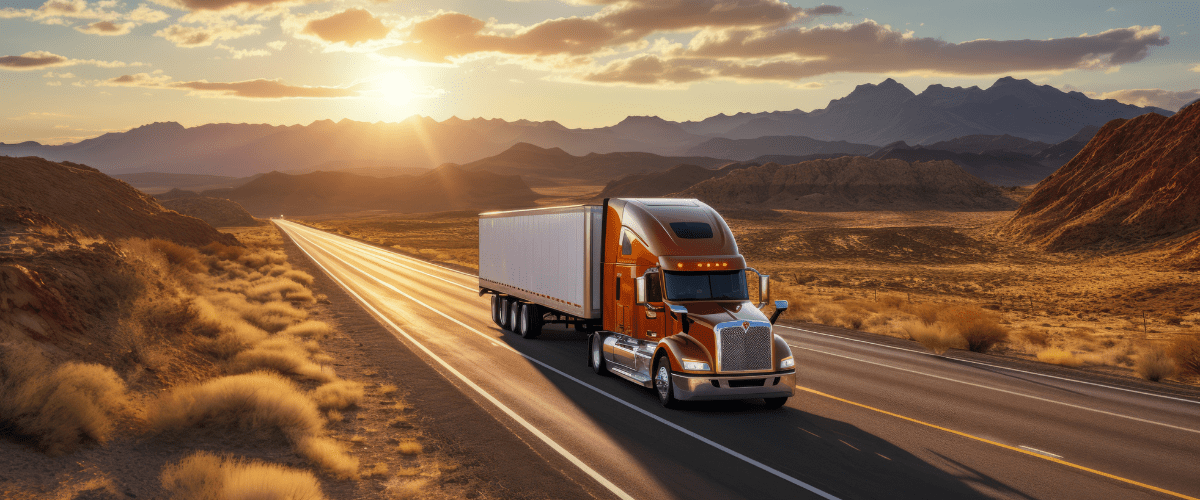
<point>1002,168</point>
<point>446,188</point>
<point>218,212</point>
<point>746,149</point>
<point>541,166</point>
<point>852,183</point>
<point>1135,184</point>
<point>659,184</point>
<point>83,200</point>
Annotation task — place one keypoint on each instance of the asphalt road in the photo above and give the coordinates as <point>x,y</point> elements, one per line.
<point>870,419</point>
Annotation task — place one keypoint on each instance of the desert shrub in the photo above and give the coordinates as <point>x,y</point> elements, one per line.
<point>223,251</point>
<point>280,290</point>
<point>934,337</point>
<point>980,330</point>
<point>260,258</point>
<point>1056,356</point>
<point>204,476</point>
<point>1186,353</point>
<point>928,313</point>
<point>825,315</point>
<point>855,321</point>
<point>1035,337</point>
<point>1154,364</point>
<point>1083,334</point>
<point>281,356</point>
<point>409,448</point>
<point>1173,320</point>
<point>309,330</point>
<point>185,257</point>
<point>300,277</point>
<point>255,400</point>
<point>329,455</point>
<point>339,394</point>
<point>892,301</point>
<point>378,470</point>
<point>59,406</point>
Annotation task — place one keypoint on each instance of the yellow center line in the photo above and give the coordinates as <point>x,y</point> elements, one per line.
<point>993,443</point>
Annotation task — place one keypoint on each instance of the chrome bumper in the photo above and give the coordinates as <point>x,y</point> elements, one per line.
<point>702,388</point>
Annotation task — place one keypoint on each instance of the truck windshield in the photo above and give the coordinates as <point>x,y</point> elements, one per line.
<point>719,285</point>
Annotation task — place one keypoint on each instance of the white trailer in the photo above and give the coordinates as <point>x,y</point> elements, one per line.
<point>550,257</point>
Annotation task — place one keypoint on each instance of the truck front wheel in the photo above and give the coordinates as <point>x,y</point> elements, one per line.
<point>597,354</point>
<point>662,382</point>
<point>775,403</point>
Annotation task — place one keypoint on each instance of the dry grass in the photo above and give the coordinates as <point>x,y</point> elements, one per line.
<point>400,489</point>
<point>979,329</point>
<point>309,330</point>
<point>282,356</point>
<point>329,455</point>
<point>1186,353</point>
<point>1056,356</point>
<point>934,336</point>
<point>59,406</point>
<point>1034,337</point>
<point>256,400</point>
<point>204,476</point>
<point>338,395</point>
<point>385,389</point>
<point>409,448</point>
<point>1154,365</point>
<point>378,470</point>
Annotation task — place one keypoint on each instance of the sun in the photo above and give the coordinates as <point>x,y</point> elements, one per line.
<point>396,88</point>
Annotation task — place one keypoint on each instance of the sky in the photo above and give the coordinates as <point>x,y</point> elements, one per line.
<point>74,69</point>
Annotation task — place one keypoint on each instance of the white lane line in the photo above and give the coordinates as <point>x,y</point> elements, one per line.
<point>981,386</point>
<point>923,353</point>
<point>353,244</point>
<point>524,423</point>
<point>714,444</point>
<point>1035,450</point>
<point>825,334</point>
<point>390,253</point>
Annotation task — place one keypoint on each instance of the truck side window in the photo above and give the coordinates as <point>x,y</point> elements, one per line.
<point>618,282</point>
<point>653,288</point>
<point>626,243</point>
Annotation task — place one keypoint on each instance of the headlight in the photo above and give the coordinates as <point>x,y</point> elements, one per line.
<point>696,366</point>
<point>787,362</point>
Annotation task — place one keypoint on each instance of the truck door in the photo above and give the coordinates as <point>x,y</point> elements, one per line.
<point>625,299</point>
<point>651,324</point>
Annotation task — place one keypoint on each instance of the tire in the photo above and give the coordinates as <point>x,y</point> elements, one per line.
<point>504,305</point>
<point>514,309</point>
<point>775,403</point>
<point>496,310</point>
<point>596,355</point>
<point>521,325</point>
<point>531,321</point>
<point>663,386</point>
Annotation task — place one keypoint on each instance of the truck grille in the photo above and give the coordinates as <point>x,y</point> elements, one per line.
<point>743,350</point>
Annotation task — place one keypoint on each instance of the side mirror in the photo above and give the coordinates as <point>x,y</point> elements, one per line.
<point>780,307</point>
<point>641,290</point>
<point>681,312</point>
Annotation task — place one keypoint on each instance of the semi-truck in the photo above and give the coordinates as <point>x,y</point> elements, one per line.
<point>657,283</point>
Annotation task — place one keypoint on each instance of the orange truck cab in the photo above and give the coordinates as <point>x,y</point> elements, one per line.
<point>660,285</point>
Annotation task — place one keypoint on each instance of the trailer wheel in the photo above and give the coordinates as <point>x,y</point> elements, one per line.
<point>496,314</point>
<point>596,351</point>
<point>662,382</point>
<point>514,313</point>
<point>503,304</point>
<point>775,403</point>
<point>531,321</point>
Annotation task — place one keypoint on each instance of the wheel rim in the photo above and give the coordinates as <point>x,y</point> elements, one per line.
<point>512,317</point>
<point>522,319</point>
<point>662,382</point>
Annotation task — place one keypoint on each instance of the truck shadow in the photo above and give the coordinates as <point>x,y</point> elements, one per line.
<point>830,454</point>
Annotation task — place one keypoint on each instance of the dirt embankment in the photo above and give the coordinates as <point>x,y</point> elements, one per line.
<point>218,212</point>
<point>1135,186</point>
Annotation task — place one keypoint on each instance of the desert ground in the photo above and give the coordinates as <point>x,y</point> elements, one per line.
<point>890,272</point>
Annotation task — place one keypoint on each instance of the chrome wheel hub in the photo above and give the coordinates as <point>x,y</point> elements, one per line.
<point>662,382</point>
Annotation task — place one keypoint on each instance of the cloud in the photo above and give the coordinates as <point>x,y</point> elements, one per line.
<point>145,15</point>
<point>105,28</point>
<point>250,89</point>
<point>447,35</point>
<point>645,70</point>
<point>351,26</point>
<point>242,8</point>
<point>42,59</point>
<point>867,47</point>
<point>1195,68</point>
<point>277,44</point>
<point>51,74</point>
<point>203,36</point>
<point>244,53</point>
<point>1166,99</point>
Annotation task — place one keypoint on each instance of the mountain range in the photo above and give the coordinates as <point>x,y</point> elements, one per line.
<point>871,115</point>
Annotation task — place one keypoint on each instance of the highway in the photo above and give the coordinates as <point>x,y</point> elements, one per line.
<point>869,420</point>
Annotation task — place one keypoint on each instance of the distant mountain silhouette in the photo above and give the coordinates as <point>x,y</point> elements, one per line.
<point>555,166</point>
<point>871,114</point>
<point>1135,185</point>
<point>852,183</point>
<point>746,149</point>
<point>980,144</point>
<point>218,212</point>
<point>445,188</point>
